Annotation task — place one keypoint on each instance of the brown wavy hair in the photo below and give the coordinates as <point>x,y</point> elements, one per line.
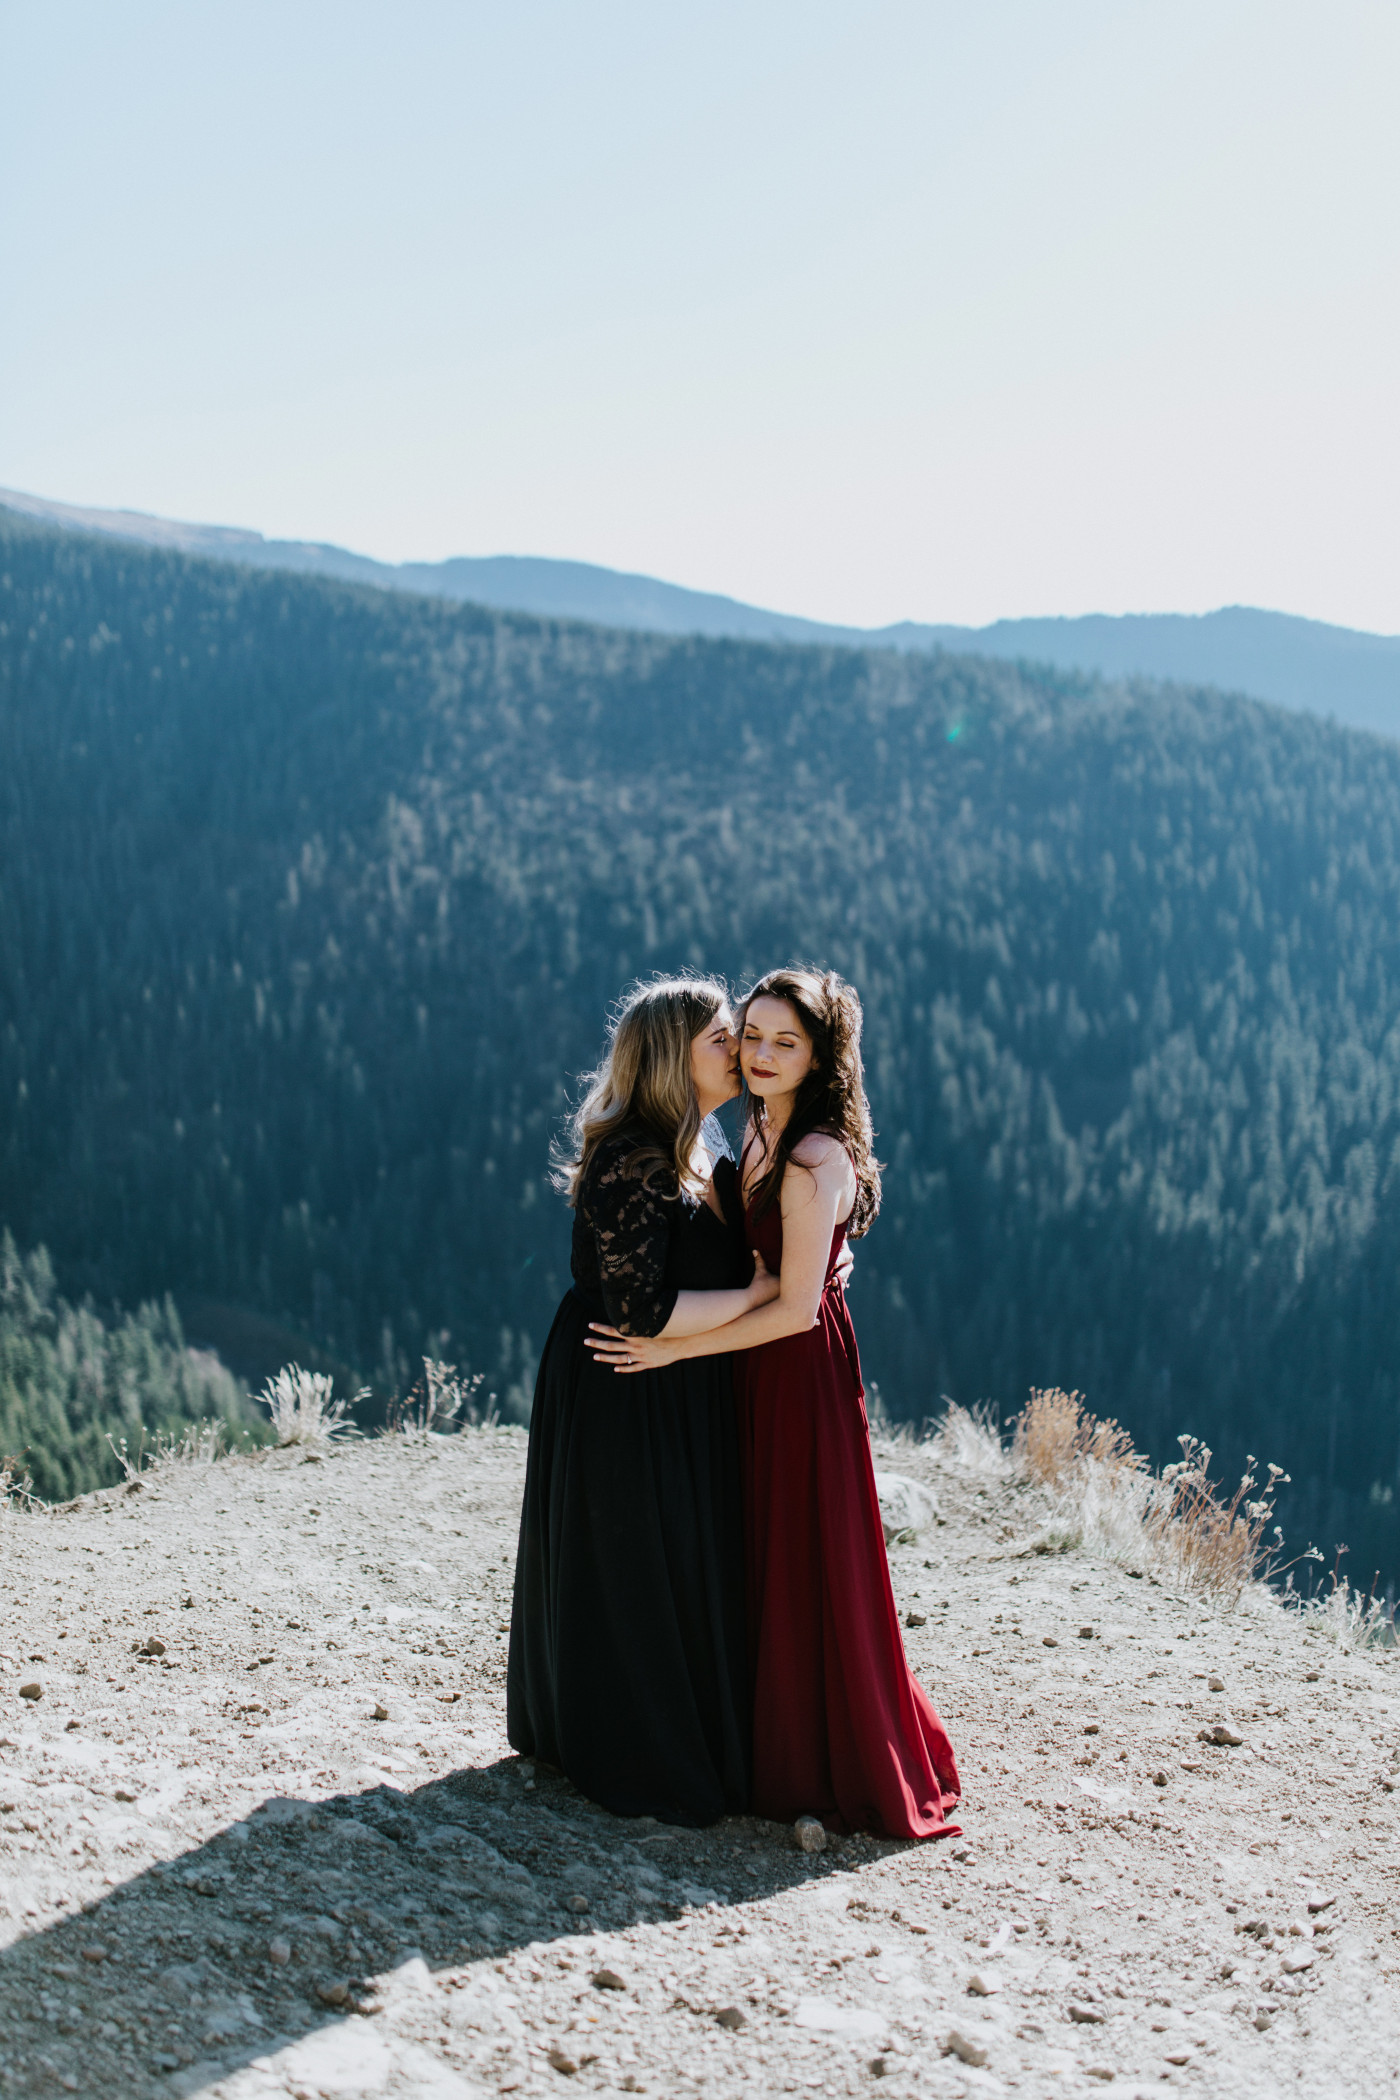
<point>643,1086</point>
<point>831,1099</point>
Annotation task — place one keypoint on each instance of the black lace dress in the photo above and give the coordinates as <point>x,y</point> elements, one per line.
<point>628,1666</point>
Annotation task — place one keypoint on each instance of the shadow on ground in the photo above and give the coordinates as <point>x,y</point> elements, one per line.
<point>278,1926</point>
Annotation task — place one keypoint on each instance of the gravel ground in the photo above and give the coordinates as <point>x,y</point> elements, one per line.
<point>261,1833</point>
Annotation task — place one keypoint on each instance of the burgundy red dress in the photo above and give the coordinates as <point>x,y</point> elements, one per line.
<point>841,1728</point>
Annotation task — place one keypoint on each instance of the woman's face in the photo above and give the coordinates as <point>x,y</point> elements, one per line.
<point>714,1062</point>
<point>776,1051</point>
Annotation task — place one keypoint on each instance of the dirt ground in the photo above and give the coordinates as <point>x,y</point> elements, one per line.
<point>221,1874</point>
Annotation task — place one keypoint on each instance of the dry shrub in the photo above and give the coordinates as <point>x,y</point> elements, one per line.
<point>198,1445</point>
<point>1216,1546</point>
<point>302,1410</point>
<point>442,1399</point>
<point>1056,1436</point>
<point>970,1439</point>
<point>16,1487</point>
<point>1178,1524</point>
<point>1354,1618</point>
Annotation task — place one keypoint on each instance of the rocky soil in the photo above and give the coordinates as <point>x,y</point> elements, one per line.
<point>261,1834</point>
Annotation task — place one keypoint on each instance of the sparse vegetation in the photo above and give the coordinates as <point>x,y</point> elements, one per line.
<point>199,1445</point>
<point>1056,1438</point>
<point>969,1438</point>
<point>1176,1523</point>
<point>15,1487</point>
<point>301,1408</point>
<point>1104,1496</point>
<point>1354,1618</point>
<point>1214,1544</point>
<point>442,1399</point>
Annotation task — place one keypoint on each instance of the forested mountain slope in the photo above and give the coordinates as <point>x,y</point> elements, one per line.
<point>312,899</point>
<point>1332,671</point>
<point>76,1390</point>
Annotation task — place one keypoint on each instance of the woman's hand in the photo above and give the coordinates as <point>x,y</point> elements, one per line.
<point>845,1262</point>
<point>631,1352</point>
<point>765,1286</point>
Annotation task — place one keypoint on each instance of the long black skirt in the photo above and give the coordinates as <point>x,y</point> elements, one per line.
<point>628,1665</point>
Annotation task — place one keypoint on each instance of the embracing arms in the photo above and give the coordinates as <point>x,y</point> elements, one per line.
<point>630,1224</point>
<point>818,1189</point>
<point>698,1312</point>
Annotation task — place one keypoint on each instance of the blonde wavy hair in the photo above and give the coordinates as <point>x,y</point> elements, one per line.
<point>644,1086</point>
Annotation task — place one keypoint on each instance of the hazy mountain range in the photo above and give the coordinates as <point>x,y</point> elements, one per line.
<point>1306,664</point>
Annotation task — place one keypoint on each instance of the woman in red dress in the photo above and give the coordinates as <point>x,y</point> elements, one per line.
<point>842,1731</point>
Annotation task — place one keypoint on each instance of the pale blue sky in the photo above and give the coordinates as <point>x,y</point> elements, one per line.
<point>865,312</point>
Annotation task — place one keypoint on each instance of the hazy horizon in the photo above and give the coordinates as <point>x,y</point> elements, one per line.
<point>45,504</point>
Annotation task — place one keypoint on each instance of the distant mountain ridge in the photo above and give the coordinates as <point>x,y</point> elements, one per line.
<point>1303,664</point>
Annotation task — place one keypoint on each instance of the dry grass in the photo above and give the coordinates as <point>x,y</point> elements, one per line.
<point>1214,1545</point>
<point>16,1487</point>
<point>1177,1524</point>
<point>970,1440</point>
<point>1354,1618</point>
<point>1056,1438</point>
<point>301,1409</point>
<point>198,1445</point>
<point>442,1400</point>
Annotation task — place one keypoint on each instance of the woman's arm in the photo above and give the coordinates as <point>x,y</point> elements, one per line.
<point>696,1312</point>
<point>631,1227</point>
<point>818,1188</point>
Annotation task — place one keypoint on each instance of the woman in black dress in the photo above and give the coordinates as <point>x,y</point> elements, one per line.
<point>628,1667</point>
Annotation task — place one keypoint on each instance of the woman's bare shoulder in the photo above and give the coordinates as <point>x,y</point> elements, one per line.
<point>819,1149</point>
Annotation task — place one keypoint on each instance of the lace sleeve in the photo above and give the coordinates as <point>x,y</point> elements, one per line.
<point>631,1229</point>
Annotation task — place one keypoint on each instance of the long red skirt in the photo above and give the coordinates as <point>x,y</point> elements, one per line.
<point>841,1729</point>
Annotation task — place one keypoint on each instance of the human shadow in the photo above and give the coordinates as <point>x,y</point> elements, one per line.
<point>280,1924</point>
